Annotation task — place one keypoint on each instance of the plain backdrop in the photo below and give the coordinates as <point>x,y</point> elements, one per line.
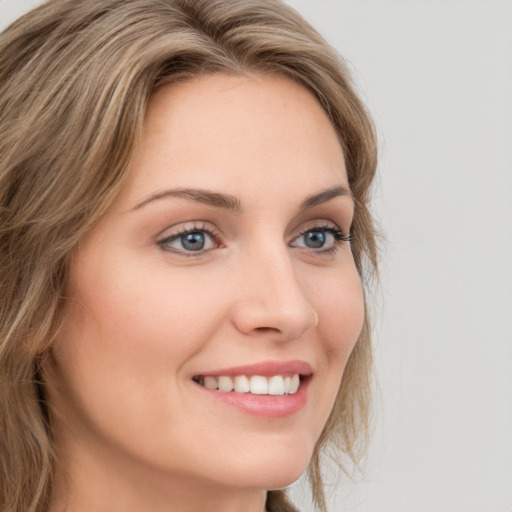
<point>437,76</point>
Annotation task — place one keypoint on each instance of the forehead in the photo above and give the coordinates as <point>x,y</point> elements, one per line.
<point>236,133</point>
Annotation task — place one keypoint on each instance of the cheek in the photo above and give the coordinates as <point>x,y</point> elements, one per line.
<point>140,316</point>
<point>340,322</point>
<point>125,347</point>
<point>341,317</point>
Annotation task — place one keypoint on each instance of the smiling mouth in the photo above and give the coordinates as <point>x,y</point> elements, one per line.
<point>277,385</point>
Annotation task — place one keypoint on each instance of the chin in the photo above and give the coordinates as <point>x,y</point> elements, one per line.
<point>274,467</point>
<point>277,477</point>
<point>284,479</point>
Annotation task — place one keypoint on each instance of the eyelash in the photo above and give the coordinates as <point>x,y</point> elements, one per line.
<point>335,231</point>
<point>195,228</point>
<point>338,235</point>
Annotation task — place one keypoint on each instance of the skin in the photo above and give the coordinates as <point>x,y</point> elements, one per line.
<point>133,431</point>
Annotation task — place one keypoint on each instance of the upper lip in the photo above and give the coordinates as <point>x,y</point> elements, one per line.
<point>264,368</point>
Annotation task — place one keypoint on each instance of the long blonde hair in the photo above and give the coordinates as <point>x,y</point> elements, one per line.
<point>75,79</point>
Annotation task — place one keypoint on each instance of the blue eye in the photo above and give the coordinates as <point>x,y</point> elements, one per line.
<point>321,238</point>
<point>315,239</point>
<point>193,241</point>
<point>189,241</point>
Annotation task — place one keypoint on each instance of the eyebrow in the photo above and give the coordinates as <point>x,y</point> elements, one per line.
<point>324,196</point>
<point>232,203</point>
<point>215,199</point>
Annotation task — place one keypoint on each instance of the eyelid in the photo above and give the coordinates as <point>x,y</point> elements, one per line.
<point>174,233</point>
<point>336,237</point>
<point>321,225</point>
<point>185,227</point>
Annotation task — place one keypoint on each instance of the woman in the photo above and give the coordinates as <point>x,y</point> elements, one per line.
<point>184,232</point>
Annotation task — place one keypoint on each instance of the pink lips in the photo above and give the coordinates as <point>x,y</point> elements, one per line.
<point>265,368</point>
<point>266,406</point>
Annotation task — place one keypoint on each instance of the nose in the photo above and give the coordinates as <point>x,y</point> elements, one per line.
<point>271,299</point>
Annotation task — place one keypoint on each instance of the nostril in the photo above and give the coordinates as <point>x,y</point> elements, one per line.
<point>266,329</point>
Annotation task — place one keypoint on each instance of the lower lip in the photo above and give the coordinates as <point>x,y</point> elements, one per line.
<point>267,406</point>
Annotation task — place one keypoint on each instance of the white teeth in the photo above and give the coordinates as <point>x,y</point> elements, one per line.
<point>257,384</point>
<point>211,383</point>
<point>294,384</point>
<point>276,385</point>
<point>226,384</point>
<point>286,382</point>
<point>242,384</point>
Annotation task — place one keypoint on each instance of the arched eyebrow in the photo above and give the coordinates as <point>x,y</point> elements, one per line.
<point>324,196</point>
<point>232,203</point>
<point>215,199</point>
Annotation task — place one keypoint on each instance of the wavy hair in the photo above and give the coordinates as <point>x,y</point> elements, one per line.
<point>75,80</point>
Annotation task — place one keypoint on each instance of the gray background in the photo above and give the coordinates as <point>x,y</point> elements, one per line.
<point>437,75</point>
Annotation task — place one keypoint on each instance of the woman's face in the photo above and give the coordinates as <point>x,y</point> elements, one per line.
<point>223,259</point>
